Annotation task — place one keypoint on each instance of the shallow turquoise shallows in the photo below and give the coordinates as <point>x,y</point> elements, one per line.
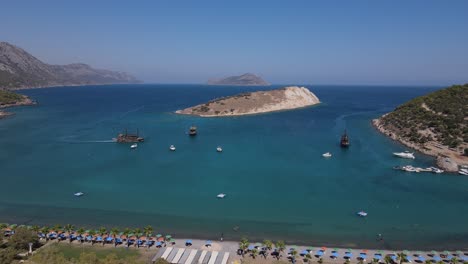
<point>278,185</point>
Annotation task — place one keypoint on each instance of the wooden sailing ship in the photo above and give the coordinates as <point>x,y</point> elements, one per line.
<point>129,137</point>
<point>344,142</point>
<point>193,131</point>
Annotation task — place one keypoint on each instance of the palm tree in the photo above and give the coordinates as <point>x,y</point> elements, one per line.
<point>375,261</point>
<point>293,255</point>
<point>347,261</point>
<point>114,231</point>
<point>268,244</point>
<point>361,261</point>
<point>388,259</point>
<point>280,245</point>
<point>102,230</point>
<point>454,260</point>
<point>428,262</point>
<point>45,230</point>
<point>401,257</point>
<point>148,230</point>
<point>126,232</point>
<point>243,245</point>
<point>92,233</point>
<point>36,229</point>
<point>308,257</point>
<point>80,232</point>
<point>69,228</point>
<point>254,253</point>
<point>3,225</point>
<point>57,227</point>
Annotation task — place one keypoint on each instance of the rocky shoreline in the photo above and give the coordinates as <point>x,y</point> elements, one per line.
<point>258,102</point>
<point>446,159</point>
<point>24,102</point>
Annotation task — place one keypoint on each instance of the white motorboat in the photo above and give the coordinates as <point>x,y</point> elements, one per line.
<point>405,155</point>
<point>409,168</point>
<point>172,148</point>
<point>221,195</point>
<point>134,146</point>
<point>219,149</point>
<point>78,194</point>
<point>463,171</point>
<point>361,214</point>
<point>436,170</point>
<point>327,155</point>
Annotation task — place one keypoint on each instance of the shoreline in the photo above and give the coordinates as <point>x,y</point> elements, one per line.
<point>179,112</point>
<point>63,85</point>
<point>26,101</point>
<point>446,159</point>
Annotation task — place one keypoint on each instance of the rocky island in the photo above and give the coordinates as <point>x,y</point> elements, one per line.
<point>247,79</point>
<point>19,70</point>
<point>255,102</point>
<point>435,124</point>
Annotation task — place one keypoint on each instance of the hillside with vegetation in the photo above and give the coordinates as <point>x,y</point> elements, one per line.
<point>435,124</point>
<point>441,116</point>
<point>7,97</point>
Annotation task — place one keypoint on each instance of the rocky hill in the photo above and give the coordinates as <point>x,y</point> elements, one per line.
<point>19,69</point>
<point>436,124</point>
<point>255,103</point>
<point>247,79</point>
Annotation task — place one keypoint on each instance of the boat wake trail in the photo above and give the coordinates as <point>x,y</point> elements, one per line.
<point>70,140</point>
<point>131,111</point>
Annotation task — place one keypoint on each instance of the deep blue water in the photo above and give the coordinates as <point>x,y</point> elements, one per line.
<point>278,185</point>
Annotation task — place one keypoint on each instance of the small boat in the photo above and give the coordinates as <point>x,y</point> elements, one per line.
<point>134,146</point>
<point>361,214</point>
<point>405,155</point>
<point>219,149</point>
<point>436,170</point>
<point>344,142</point>
<point>463,171</point>
<point>172,148</point>
<point>327,155</point>
<point>78,194</point>
<point>409,168</point>
<point>221,195</point>
<point>193,131</point>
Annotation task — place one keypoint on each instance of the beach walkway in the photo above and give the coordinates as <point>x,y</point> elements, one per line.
<point>192,256</point>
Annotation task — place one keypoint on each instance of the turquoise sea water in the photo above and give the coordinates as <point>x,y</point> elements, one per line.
<point>278,185</point>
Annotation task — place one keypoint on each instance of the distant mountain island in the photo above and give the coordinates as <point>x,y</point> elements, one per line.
<point>435,124</point>
<point>254,103</point>
<point>248,79</point>
<point>19,69</point>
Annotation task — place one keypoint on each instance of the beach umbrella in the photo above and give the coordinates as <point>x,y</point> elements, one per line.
<point>158,244</point>
<point>446,253</point>
<point>334,254</point>
<point>378,256</point>
<point>158,235</point>
<point>168,236</point>
<point>189,241</point>
<point>208,243</point>
<point>463,258</point>
<point>436,258</point>
<point>319,253</point>
<point>406,252</point>
<point>251,247</point>
<point>419,253</point>
<point>421,258</point>
<point>364,250</point>
<point>324,248</point>
<point>304,252</point>
<point>348,254</point>
<point>363,255</point>
<point>449,257</point>
<point>433,252</point>
<point>408,258</point>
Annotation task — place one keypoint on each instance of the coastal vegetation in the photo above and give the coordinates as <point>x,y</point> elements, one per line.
<point>439,117</point>
<point>7,97</point>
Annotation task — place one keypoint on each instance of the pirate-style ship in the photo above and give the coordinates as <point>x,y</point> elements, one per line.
<point>129,138</point>
<point>344,142</point>
<point>193,131</point>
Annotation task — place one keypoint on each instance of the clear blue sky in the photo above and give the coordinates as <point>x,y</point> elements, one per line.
<point>294,42</point>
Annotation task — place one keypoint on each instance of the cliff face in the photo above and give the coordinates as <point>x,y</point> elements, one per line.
<point>19,69</point>
<point>247,79</point>
<point>255,103</point>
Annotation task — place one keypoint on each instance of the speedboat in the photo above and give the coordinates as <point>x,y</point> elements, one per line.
<point>134,146</point>
<point>436,170</point>
<point>172,148</point>
<point>221,195</point>
<point>327,155</point>
<point>361,214</point>
<point>219,149</point>
<point>78,194</point>
<point>405,155</point>
<point>409,168</point>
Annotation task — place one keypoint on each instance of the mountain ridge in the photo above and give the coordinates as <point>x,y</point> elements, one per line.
<point>19,70</point>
